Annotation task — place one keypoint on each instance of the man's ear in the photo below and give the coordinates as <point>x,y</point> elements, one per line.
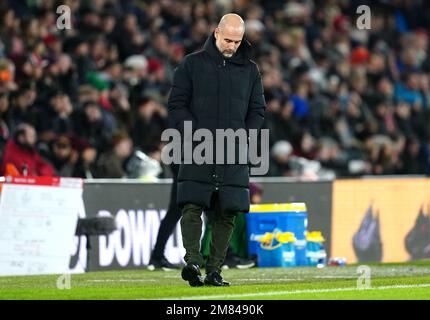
<point>216,33</point>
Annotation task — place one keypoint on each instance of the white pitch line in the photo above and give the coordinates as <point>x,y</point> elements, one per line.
<point>121,280</point>
<point>153,280</point>
<point>265,280</point>
<point>335,277</point>
<point>278,293</point>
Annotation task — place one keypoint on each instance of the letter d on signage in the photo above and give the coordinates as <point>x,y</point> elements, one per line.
<point>64,282</point>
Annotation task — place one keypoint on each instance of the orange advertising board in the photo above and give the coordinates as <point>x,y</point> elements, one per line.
<point>395,202</point>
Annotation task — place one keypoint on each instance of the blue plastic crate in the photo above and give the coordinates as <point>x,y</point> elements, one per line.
<point>287,217</point>
<point>315,250</point>
<point>280,256</point>
<point>315,254</point>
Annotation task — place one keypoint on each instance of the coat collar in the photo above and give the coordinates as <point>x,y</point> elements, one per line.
<point>240,57</point>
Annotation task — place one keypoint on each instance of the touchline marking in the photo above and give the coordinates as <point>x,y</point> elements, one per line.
<point>121,280</point>
<point>278,293</point>
<point>265,280</point>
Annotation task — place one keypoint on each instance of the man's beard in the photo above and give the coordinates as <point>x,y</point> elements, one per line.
<point>25,145</point>
<point>225,53</point>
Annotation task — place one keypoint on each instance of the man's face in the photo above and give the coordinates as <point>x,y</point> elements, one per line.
<point>4,103</point>
<point>61,150</point>
<point>28,138</point>
<point>93,113</point>
<point>124,148</point>
<point>228,40</point>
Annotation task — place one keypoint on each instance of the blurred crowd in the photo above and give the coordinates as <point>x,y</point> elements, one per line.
<point>90,101</point>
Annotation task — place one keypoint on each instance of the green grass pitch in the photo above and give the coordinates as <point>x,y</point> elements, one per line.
<point>388,281</point>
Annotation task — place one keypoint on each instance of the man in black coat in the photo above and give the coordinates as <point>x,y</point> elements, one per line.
<point>218,87</point>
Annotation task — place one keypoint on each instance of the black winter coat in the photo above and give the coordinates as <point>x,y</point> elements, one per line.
<point>215,92</point>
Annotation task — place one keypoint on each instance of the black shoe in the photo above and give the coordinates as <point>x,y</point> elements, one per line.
<point>236,262</point>
<point>191,273</point>
<point>162,263</point>
<point>214,279</point>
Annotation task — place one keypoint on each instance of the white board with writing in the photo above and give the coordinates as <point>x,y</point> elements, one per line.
<point>38,218</point>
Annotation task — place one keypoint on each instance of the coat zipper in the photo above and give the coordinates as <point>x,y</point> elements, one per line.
<point>217,121</point>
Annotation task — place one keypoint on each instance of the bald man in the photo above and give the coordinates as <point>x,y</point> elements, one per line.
<point>218,87</point>
<point>21,152</point>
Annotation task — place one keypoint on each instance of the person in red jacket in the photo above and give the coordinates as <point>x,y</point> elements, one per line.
<point>21,152</point>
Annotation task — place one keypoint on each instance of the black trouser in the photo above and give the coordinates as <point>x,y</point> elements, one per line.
<point>222,229</point>
<point>210,215</point>
<point>170,220</point>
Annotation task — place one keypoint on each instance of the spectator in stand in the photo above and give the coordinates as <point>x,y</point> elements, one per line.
<point>22,107</point>
<point>20,151</point>
<point>63,157</point>
<point>95,125</point>
<point>54,118</point>
<point>151,120</point>
<point>111,163</point>
<point>4,120</point>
